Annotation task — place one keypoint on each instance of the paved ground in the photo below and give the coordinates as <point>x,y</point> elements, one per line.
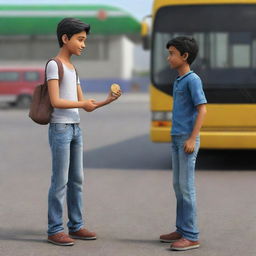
<point>128,200</point>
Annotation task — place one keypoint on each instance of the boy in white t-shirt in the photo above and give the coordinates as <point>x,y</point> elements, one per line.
<point>65,136</point>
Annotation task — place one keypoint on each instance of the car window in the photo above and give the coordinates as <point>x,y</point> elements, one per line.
<point>31,76</point>
<point>9,76</point>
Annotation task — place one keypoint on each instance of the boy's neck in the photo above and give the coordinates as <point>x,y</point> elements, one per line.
<point>64,55</point>
<point>184,69</point>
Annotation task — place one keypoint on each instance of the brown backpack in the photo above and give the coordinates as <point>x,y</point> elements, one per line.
<point>41,108</point>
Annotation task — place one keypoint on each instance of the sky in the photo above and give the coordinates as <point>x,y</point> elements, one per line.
<point>138,8</point>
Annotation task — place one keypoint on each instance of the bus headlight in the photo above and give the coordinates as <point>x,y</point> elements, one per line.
<point>161,118</point>
<point>168,116</point>
<point>158,116</point>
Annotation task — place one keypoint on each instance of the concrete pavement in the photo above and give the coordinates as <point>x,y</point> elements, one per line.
<point>128,199</point>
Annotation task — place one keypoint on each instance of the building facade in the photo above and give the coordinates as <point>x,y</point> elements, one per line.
<point>28,38</point>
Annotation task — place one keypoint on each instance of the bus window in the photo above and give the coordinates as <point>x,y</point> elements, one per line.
<point>218,50</point>
<point>241,56</point>
<point>227,55</point>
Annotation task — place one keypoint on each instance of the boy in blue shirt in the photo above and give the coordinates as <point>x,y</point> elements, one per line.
<point>189,109</point>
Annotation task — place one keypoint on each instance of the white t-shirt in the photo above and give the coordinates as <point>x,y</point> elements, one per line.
<point>68,91</point>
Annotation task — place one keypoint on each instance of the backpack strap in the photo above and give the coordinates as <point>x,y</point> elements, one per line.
<point>60,69</point>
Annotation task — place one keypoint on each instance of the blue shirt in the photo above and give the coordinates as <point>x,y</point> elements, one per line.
<point>187,94</point>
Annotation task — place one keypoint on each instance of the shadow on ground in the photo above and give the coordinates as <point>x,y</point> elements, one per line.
<point>140,153</point>
<point>227,160</point>
<point>135,153</point>
<point>22,235</point>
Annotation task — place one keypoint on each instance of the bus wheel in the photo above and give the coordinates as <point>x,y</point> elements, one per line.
<point>23,101</point>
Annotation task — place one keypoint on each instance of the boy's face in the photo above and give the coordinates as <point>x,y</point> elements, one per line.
<point>174,59</point>
<point>76,43</point>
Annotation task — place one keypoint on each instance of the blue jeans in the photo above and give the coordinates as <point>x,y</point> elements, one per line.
<point>66,144</point>
<point>183,165</point>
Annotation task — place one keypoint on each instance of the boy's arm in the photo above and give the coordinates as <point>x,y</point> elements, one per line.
<point>190,143</point>
<point>80,94</point>
<point>111,97</point>
<point>57,102</point>
<point>99,104</point>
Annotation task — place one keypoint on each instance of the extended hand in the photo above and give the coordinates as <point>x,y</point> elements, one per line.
<point>113,96</point>
<point>189,145</point>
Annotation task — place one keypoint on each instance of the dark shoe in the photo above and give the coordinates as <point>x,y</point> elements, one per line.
<point>184,244</point>
<point>83,234</point>
<point>61,239</point>
<point>170,238</point>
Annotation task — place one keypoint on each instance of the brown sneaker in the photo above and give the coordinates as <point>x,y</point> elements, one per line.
<point>170,238</point>
<point>61,239</point>
<point>83,234</point>
<point>184,244</point>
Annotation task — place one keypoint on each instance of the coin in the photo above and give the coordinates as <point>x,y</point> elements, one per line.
<point>115,88</point>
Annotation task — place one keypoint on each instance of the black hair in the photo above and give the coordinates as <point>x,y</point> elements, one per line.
<point>71,26</point>
<point>185,44</point>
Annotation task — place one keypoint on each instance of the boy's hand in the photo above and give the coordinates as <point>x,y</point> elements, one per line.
<point>90,105</point>
<point>113,96</point>
<point>189,145</point>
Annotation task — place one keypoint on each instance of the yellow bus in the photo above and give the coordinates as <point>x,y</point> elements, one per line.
<point>226,33</point>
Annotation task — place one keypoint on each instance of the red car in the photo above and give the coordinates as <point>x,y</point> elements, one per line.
<point>17,84</point>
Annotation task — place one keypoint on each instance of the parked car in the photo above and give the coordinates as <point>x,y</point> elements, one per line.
<point>17,85</point>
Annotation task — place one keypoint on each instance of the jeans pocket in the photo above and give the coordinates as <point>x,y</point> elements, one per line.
<point>60,127</point>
